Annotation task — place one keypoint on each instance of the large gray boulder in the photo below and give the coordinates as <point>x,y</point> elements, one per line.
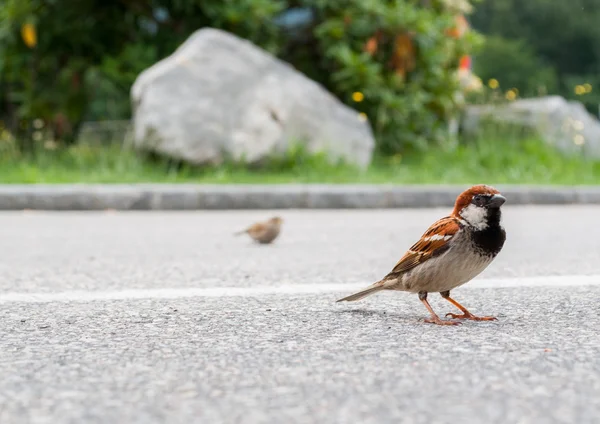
<point>219,96</point>
<point>567,125</point>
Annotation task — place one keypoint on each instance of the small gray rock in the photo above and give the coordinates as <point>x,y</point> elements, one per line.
<point>219,96</point>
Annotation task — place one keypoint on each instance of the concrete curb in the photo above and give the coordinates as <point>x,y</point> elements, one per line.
<point>317,196</point>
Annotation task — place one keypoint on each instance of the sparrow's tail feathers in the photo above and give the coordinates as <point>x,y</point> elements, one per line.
<point>361,294</point>
<point>237,233</point>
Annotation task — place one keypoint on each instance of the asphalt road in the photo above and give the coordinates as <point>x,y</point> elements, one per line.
<point>168,318</point>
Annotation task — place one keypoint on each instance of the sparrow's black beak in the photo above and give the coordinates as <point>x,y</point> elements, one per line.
<point>496,201</point>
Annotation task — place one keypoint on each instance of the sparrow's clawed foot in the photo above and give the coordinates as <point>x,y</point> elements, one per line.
<point>470,316</point>
<point>436,320</point>
<point>465,313</point>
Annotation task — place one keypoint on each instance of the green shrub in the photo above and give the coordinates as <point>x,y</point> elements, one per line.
<point>408,97</point>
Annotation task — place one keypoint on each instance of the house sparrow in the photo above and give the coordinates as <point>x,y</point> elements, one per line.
<point>450,253</point>
<point>264,232</point>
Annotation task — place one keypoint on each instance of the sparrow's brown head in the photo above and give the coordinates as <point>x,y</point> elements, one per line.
<point>478,204</point>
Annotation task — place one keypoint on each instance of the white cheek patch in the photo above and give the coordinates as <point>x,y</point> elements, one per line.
<point>437,237</point>
<point>475,216</point>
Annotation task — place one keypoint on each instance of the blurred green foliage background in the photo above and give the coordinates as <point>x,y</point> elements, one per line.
<point>64,62</point>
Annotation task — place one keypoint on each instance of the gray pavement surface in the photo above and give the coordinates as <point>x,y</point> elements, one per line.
<point>296,358</point>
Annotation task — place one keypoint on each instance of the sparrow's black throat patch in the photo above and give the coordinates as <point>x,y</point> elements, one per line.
<point>490,240</point>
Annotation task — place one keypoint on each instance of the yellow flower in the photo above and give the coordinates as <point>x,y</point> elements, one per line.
<point>357,96</point>
<point>493,83</point>
<point>29,35</point>
<point>396,159</point>
<point>588,87</point>
<point>5,136</point>
<point>362,116</point>
<point>579,90</point>
<point>511,94</point>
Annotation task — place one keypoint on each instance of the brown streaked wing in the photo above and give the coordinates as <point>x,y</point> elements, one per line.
<point>427,248</point>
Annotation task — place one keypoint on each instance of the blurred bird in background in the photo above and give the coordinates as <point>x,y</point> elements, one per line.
<point>264,232</point>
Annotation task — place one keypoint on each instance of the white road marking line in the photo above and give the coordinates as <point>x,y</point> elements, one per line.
<point>290,289</point>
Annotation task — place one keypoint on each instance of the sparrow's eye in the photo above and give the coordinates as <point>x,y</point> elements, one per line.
<point>479,200</point>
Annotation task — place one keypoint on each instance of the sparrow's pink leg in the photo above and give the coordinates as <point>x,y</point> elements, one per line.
<point>435,319</point>
<point>465,314</point>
